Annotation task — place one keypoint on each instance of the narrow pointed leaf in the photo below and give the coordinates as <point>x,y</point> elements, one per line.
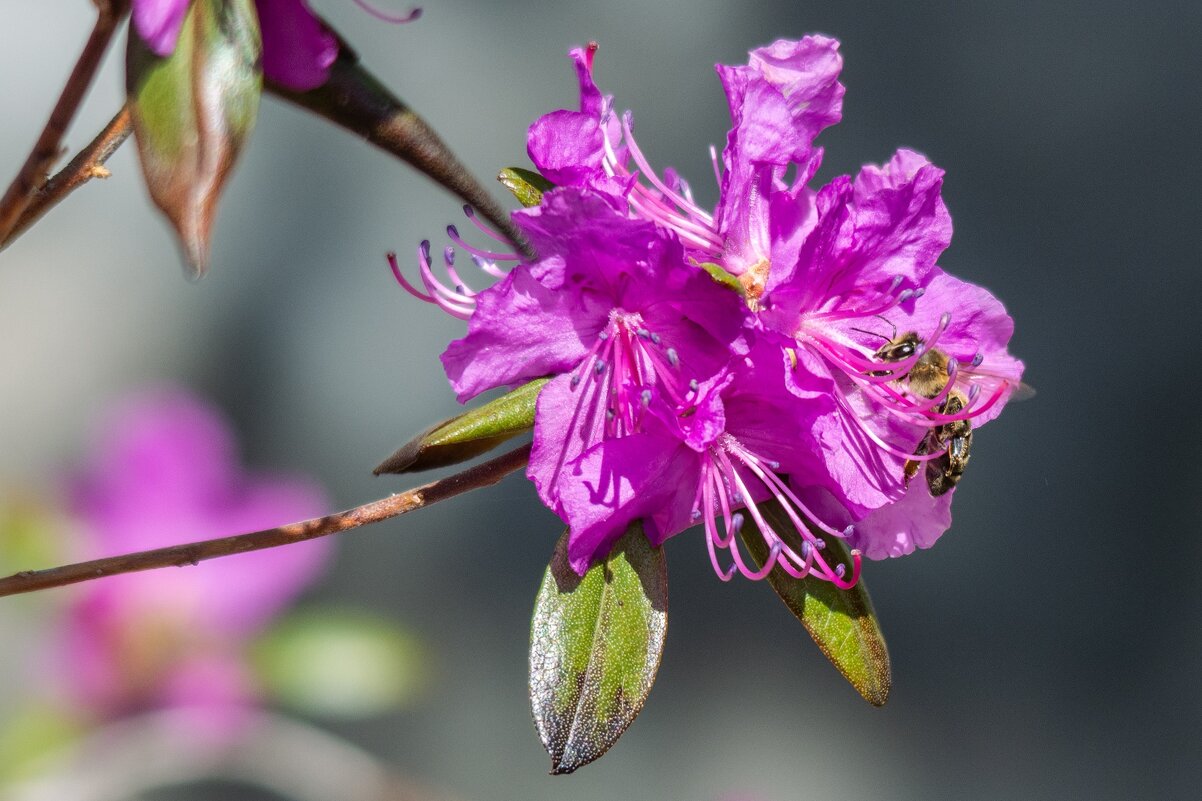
<point>469,434</point>
<point>528,187</point>
<point>192,113</point>
<point>842,622</point>
<point>595,645</point>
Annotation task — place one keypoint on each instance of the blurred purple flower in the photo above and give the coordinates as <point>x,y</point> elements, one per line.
<point>298,49</point>
<point>165,471</point>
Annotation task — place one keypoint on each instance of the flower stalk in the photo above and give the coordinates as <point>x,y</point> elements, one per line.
<point>87,164</point>
<point>46,150</point>
<point>482,475</point>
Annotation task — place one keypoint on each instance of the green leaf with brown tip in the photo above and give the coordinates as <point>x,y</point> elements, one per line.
<point>595,645</point>
<point>193,111</point>
<point>528,187</point>
<point>842,622</point>
<point>469,434</point>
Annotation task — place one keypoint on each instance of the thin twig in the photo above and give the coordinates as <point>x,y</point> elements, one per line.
<point>46,149</point>
<point>483,475</point>
<point>87,164</point>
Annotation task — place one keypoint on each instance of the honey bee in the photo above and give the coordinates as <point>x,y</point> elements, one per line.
<point>954,439</point>
<point>928,377</point>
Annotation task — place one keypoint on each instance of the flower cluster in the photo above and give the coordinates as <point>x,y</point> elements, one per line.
<point>795,344</point>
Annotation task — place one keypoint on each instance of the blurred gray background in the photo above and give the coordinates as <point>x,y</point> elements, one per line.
<point>1048,647</point>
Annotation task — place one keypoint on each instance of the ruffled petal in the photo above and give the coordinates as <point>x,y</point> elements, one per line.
<point>896,529</point>
<point>645,476</point>
<point>783,98</point>
<point>591,101</point>
<point>522,329</point>
<point>890,222</point>
<point>785,95</point>
<point>566,147</point>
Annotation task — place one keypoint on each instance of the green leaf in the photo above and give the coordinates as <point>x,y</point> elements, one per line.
<point>340,663</point>
<point>528,187</point>
<point>722,277</point>
<point>842,622</point>
<point>468,435</point>
<point>192,113</point>
<point>595,645</point>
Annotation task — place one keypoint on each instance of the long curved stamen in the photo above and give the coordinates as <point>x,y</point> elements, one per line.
<point>470,213</point>
<point>694,225</point>
<point>455,303</point>
<point>971,411</point>
<point>653,209</point>
<point>735,522</point>
<point>489,267</point>
<point>722,485</point>
<point>714,162</point>
<point>711,530</point>
<point>453,234</point>
<point>621,369</point>
<point>397,19</point>
<point>637,154</point>
<point>459,293</point>
<point>878,379</point>
<point>781,491</point>
<point>448,260</point>
<point>892,300</point>
<point>456,297</point>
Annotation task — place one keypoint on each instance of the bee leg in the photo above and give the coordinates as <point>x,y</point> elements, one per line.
<point>939,476</point>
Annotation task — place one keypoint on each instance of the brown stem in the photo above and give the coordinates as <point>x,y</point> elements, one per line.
<point>87,164</point>
<point>355,100</point>
<point>482,475</point>
<point>46,149</point>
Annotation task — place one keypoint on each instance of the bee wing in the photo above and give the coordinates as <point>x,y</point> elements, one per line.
<point>989,383</point>
<point>1022,392</point>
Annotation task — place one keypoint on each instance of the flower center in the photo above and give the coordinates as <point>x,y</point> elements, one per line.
<point>618,372</point>
<point>755,281</point>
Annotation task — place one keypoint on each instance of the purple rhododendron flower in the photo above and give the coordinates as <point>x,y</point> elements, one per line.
<point>860,364</point>
<point>165,471</point>
<point>835,273</point>
<point>298,49</point>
